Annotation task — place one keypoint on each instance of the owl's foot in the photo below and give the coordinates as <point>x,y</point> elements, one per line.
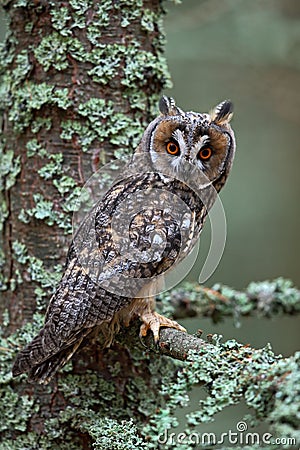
<point>153,321</point>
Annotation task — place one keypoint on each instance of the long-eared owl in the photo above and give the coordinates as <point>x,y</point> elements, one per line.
<point>142,227</point>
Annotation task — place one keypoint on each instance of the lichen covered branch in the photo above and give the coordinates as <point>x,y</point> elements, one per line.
<point>263,299</point>
<point>231,372</point>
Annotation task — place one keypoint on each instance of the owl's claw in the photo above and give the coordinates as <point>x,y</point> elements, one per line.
<point>153,321</point>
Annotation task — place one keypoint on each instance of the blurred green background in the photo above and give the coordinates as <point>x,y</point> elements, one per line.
<point>249,52</point>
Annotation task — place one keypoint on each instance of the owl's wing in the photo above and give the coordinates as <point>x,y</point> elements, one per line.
<point>76,308</point>
<point>103,274</point>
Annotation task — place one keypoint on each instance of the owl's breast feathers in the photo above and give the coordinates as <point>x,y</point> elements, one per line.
<point>132,235</point>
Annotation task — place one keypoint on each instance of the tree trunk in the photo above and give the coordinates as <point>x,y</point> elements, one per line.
<point>80,81</point>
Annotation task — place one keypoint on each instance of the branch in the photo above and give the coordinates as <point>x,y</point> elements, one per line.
<point>269,384</point>
<point>264,299</point>
<point>177,344</point>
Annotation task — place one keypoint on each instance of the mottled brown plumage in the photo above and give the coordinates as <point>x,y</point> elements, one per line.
<point>147,222</point>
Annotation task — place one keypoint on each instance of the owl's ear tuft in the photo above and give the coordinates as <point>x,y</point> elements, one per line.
<point>222,113</point>
<point>168,107</point>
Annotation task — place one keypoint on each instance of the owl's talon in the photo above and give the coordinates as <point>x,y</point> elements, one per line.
<point>142,341</point>
<point>154,321</point>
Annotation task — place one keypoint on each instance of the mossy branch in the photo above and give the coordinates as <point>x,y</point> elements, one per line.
<point>178,344</point>
<point>230,372</point>
<point>263,299</point>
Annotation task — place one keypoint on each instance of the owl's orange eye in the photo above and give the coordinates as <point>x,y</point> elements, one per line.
<point>205,153</point>
<point>173,148</point>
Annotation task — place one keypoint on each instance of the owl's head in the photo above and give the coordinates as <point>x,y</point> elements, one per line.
<point>190,142</point>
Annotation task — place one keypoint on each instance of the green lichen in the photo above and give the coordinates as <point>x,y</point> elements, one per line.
<point>125,131</point>
<point>27,99</point>
<point>83,132</point>
<point>3,278</point>
<point>61,98</point>
<point>136,66</point>
<point>35,148</point>
<point>104,124</point>
<point>22,67</point>
<point>20,252</point>
<point>148,20</point>
<point>52,52</point>
<point>40,123</point>
<point>46,279</point>
<point>129,4</point>
<point>4,91</point>
<point>81,6</point>
<point>44,210</point>
<point>17,410</point>
<point>143,66</point>
<point>35,441</point>
<point>10,79</point>
<point>100,22</point>
<point>74,199</point>
<point>60,19</point>
<point>29,27</point>
<point>285,413</point>
<point>52,168</point>
<point>106,60</point>
<point>65,184</point>
<point>109,434</point>
<point>95,110</point>
<point>10,167</point>
<point>128,16</point>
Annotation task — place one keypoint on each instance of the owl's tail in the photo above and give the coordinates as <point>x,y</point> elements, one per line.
<point>42,370</point>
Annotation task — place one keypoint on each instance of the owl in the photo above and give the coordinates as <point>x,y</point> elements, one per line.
<point>143,226</point>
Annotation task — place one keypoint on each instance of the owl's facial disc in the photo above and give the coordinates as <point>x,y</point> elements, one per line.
<point>184,140</point>
<point>188,142</point>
